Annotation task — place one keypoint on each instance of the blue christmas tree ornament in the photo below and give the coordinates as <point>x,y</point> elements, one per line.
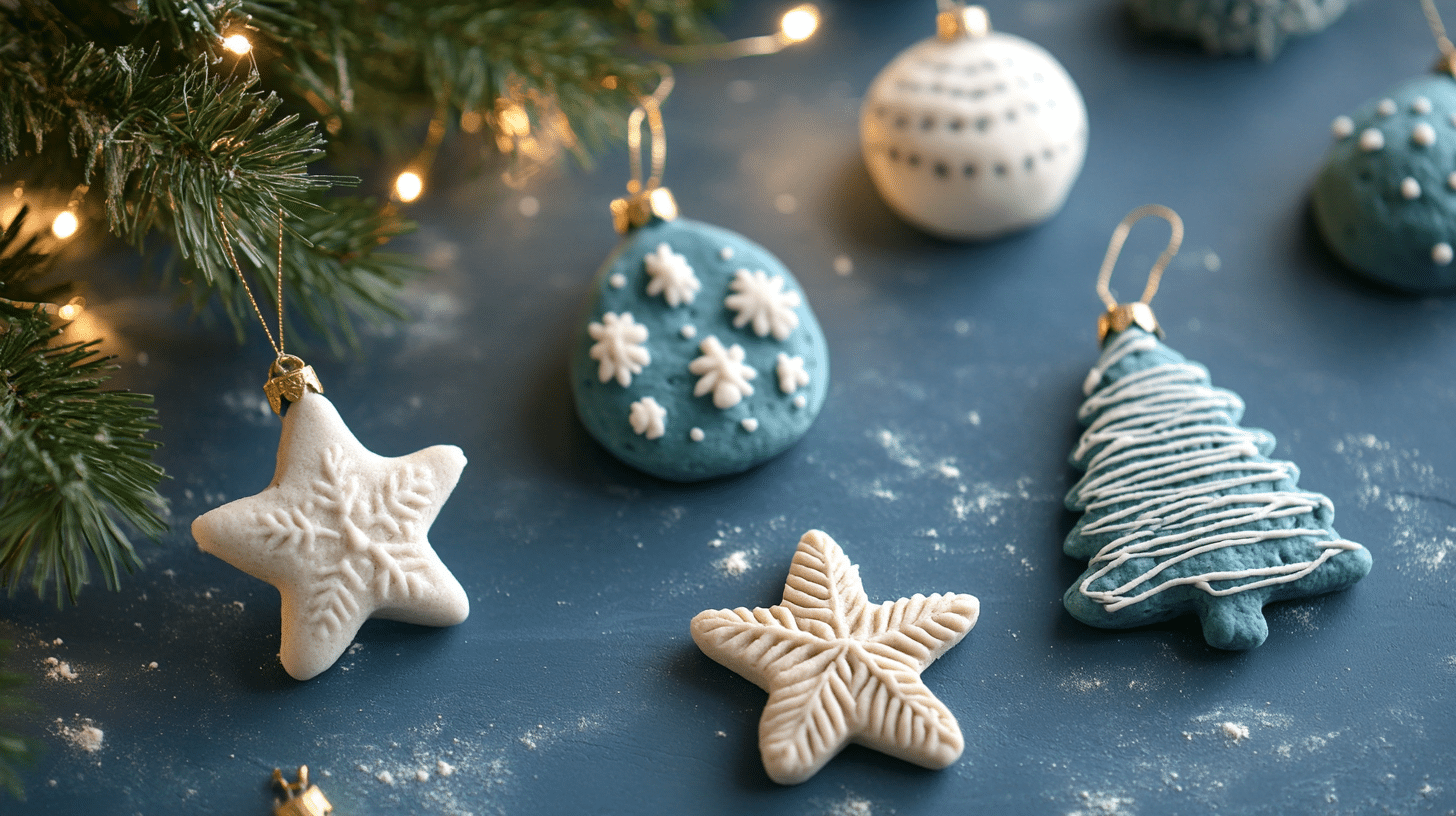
<point>699,355</point>
<point>1183,510</point>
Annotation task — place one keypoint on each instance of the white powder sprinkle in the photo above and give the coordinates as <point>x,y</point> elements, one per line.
<point>1234,731</point>
<point>444,768</point>
<point>386,777</point>
<point>85,736</point>
<point>59,670</point>
<point>735,564</point>
<point>422,775</point>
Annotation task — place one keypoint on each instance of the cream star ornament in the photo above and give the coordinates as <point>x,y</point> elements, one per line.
<point>839,669</point>
<point>341,532</point>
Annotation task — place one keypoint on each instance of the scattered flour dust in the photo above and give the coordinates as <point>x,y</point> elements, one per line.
<point>83,736</point>
<point>1419,501</point>
<point>1103,804</point>
<point>57,669</point>
<point>735,564</point>
<point>850,805</point>
<point>1235,732</point>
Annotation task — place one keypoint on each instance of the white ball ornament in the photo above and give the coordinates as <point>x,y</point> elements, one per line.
<point>973,134</point>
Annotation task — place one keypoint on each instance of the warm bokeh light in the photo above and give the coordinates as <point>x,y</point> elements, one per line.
<point>65,224</point>
<point>800,23</point>
<point>408,186</point>
<point>237,43</point>
<point>71,310</point>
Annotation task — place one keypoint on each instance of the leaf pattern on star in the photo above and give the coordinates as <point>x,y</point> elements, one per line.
<point>840,669</point>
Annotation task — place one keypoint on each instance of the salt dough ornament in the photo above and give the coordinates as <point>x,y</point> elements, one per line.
<point>1183,511</point>
<point>698,355</point>
<point>1231,27</point>
<point>839,669</point>
<point>340,531</point>
<point>973,134</point>
<point>1385,199</point>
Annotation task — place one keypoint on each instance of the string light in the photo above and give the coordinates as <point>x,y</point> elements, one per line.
<point>408,186</point>
<point>65,224</point>
<point>797,25</point>
<point>237,43</point>
<point>800,23</point>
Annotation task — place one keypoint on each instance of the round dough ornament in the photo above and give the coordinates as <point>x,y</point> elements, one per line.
<point>973,134</point>
<point>1385,199</point>
<point>1237,26</point>
<point>698,356</point>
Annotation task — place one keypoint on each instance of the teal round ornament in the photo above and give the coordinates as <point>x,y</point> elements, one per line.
<point>698,355</point>
<point>1385,199</point>
<point>1259,27</point>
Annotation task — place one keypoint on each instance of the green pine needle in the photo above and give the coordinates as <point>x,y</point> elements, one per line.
<point>15,750</point>
<point>76,473</point>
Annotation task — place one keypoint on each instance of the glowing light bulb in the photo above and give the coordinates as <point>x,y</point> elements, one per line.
<point>68,312</point>
<point>237,43</point>
<point>408,186</point>
<point>65,224</point>
<point>800,23</point>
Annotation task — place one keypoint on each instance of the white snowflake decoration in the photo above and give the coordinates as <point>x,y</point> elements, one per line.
<point>792,375</point>
<point>648,418</point>
<point>671,276</point>
<point>762,301</point>
<point>722,373</point>
<point>619,351</point>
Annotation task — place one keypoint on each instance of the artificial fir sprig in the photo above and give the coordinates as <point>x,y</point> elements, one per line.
<point>15,750</point>
<point>138,107</point>
<point>76,472</point>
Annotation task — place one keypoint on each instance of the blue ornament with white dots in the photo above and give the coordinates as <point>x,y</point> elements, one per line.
<point>973,133</point>
<point>1260,27</point>
<point>1385,199</point>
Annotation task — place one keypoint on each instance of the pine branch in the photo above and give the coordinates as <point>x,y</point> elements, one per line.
<point>76,470</point>
<point>15,750</point>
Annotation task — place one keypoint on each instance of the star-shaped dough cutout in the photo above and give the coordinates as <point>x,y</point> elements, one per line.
<point>839,669</point>
<point>341,532</point>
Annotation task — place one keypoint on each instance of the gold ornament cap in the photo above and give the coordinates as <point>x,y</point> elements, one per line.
<point>962,22</point>
<point>1125,315</point>
<point>641,209</point>
<point>300,798</point>
<point>288,379</point>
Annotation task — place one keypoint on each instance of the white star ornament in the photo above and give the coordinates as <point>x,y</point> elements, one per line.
<point>839,669</point>
<point>341,532</point>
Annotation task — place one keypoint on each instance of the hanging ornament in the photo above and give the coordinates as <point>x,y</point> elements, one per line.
<point>839,669</point>
<point>699,355</point>
<point>1183,512</point>
<point>972,133</point>
<point>1385,200</point>
<point>1237,26</point>
<point>340,531</point>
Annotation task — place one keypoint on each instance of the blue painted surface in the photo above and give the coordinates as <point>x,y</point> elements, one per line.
<point>939,461</point>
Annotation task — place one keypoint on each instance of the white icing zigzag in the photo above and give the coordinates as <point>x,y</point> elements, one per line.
<point>1187,482</point>
<point>619,351</point>
<point>761,300</point>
